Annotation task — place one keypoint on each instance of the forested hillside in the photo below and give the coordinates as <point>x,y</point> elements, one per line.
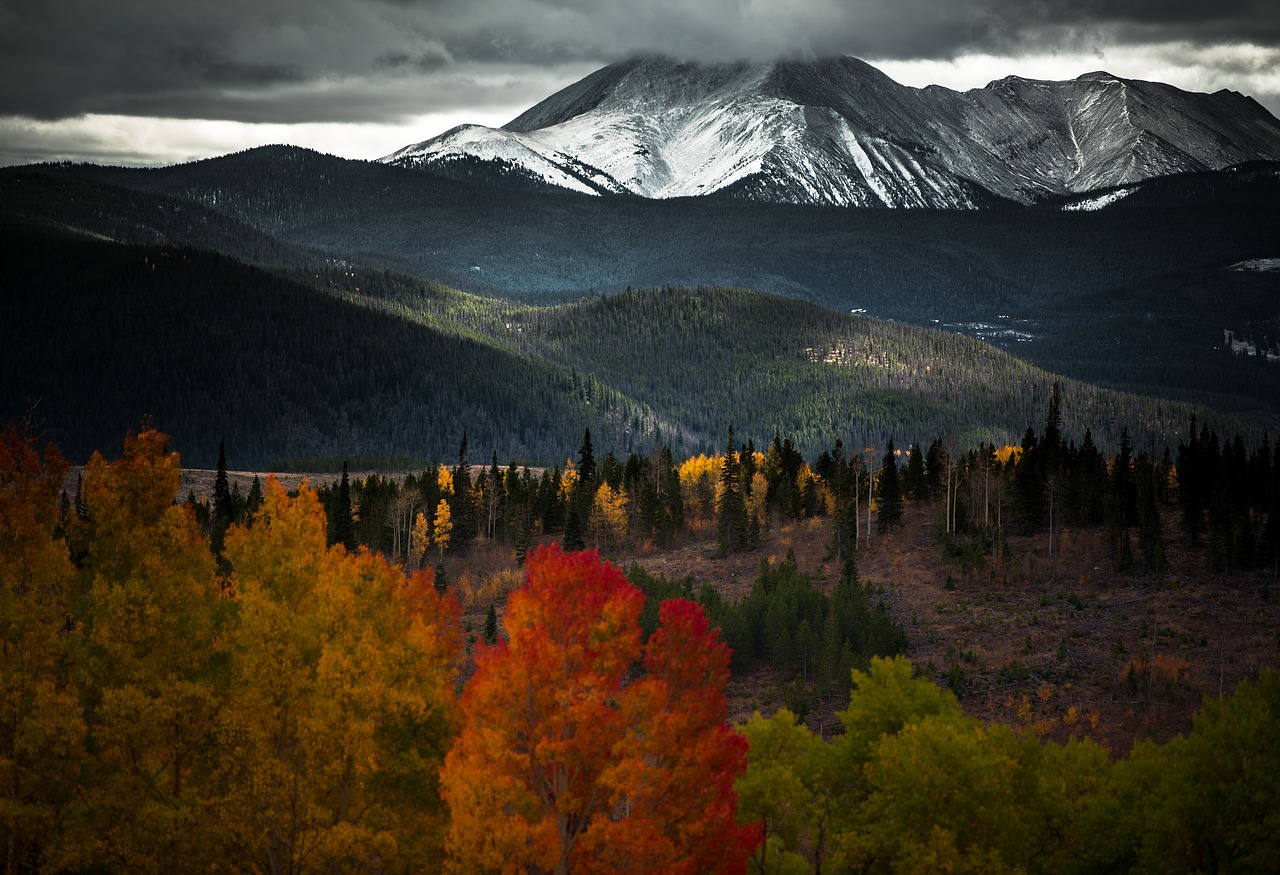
<point>100,335</point>
<point>338,362</point>
<point>1145,279</point>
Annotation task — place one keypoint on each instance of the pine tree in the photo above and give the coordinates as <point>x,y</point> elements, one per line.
<point>465,525</point>
<point>254,501</point>
<point>890,513</point>
<point>1150,529</point>
<point>913,483</point>
<point>731,512</point>
<point>670,499</point>
<point>1122,481</point>
<point>1029,485</point>
<point>586,465</point>
<point>574,531</point>
<point>342,528</point>
<point>223,511</point>
<point>491,625</point>
<point>525,540</point>
<point>223,506</point>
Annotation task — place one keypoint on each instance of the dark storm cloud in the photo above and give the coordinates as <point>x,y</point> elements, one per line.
<point>365,60</point>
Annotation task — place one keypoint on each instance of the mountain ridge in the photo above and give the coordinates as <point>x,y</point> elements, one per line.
<point>839,131</point>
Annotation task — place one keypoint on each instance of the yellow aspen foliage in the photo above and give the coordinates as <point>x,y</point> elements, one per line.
<point>1008,452</point>
<point>442,528</point>
<point>609,515</point>
<point>568,481</point>
<point>444,480</point>
<point>699,482</point>
<point>149,659</point>
<point>41,730</point>
<point>420,538</point>
<point>341,704</point>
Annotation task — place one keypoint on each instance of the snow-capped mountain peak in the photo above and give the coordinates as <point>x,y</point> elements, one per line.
<point>838,131</point>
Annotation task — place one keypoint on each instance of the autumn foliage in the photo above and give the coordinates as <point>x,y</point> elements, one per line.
<point>293,707</point>
<point>585,750</point>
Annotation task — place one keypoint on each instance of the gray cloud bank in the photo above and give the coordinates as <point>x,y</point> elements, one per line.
<point>293,61</point>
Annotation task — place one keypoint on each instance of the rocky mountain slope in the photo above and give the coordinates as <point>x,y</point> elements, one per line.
<point>839,131</point>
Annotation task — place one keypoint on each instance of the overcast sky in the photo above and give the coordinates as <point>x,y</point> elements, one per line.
<point>163,81</point>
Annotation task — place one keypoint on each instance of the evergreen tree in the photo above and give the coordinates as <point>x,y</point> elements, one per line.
<point>223,510</point>
<point>670,498</point>
<point>525,541</point>
<point>1150,528</point>
<point>1028,485</point>
<point>441,581</point>
<point>491,625</point>
<point>586,465</point>
<point>82,509</point>
<point>731,512</point>
<point>890,513</point>
<point>342,525</point>
<point>254,501</point>
<point>935,470</point>
<point>574,530</point>
<point>1122,481</point>
<point>463,505</point>
<point>913,483</point>
<point>844,533</point>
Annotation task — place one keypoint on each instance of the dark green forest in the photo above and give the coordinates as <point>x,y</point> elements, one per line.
<point>1146,286</point>
<point>338,362</point>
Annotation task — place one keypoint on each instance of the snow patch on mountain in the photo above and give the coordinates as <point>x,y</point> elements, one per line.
<point>838,131</point>
<point>1099,202</point>
<point>1258,265</point>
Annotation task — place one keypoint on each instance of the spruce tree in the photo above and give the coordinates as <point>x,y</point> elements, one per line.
<point>574,530</point>
<point>463,505</point>
<point>1150,529</point>
<point>254,501</point>
<point>1028,485</point>
<point>586,464</point>
<point>223,509</point>
<point>890,514</point>
<point>731,513</point>
<point>1123,483</point>
<point>343,525</point>
<point>491,625</point>
<point>913,484</point>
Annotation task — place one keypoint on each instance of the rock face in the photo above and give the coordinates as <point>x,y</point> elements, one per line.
<point>839,131</point>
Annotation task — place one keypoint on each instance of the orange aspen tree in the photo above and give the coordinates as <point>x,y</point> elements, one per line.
<point>562,765</point>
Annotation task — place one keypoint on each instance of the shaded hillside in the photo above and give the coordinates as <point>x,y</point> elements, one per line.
<point>99,335</point>
<point>913,265</point>
<point>124,215</point>
<point>340,361</point>
<point>1042,282</point>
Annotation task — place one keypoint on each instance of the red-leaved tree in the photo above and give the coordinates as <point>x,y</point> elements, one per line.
<point>568,763</point>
